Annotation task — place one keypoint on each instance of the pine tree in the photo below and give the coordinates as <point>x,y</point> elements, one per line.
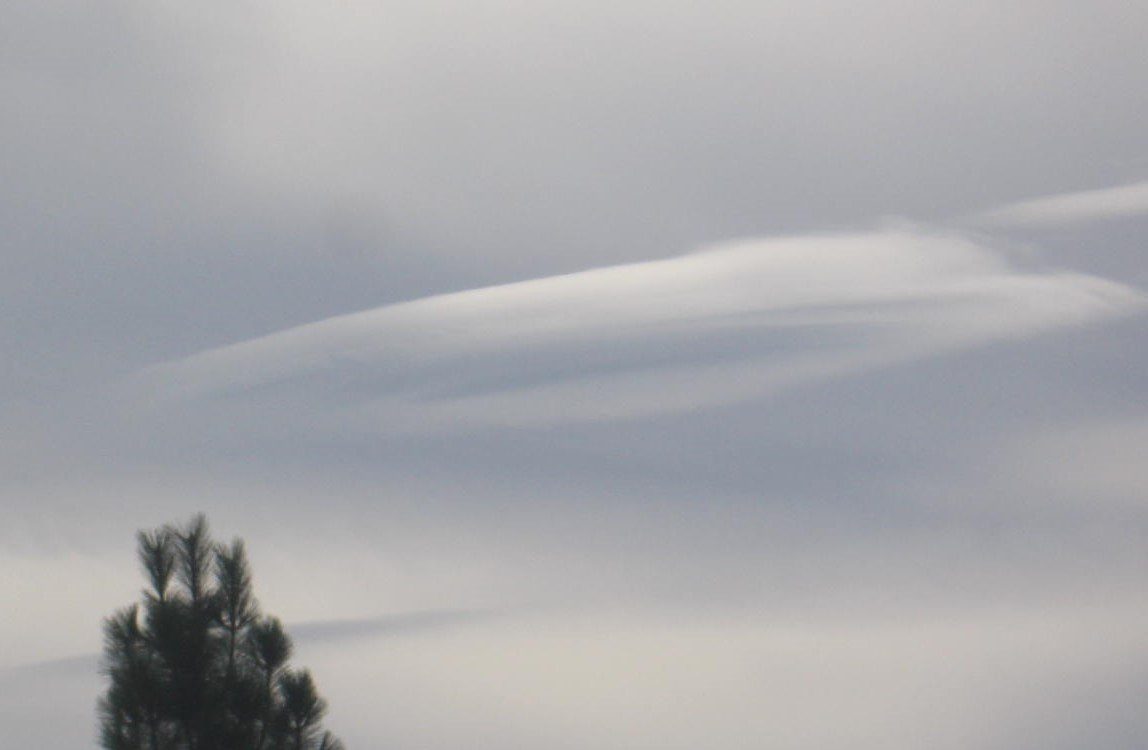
<point>195,665</point>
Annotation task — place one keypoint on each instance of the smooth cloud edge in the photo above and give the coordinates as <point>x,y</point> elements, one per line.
<point>993,301</point>
<point>1064,209</point>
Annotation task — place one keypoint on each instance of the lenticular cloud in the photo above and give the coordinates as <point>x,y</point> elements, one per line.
<point>732,323</point>
<point>1117,202</point>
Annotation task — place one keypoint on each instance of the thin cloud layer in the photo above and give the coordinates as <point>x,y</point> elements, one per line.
<point>738,683</point>
<point>1070,208</point>
<point>870,489</point>
<point>729,324</point>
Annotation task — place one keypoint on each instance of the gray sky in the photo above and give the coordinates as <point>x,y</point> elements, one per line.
<point>592,375</point>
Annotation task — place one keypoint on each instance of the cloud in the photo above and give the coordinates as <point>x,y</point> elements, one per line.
<point>733,323</point>
<point>83,664</point>
<point>406,623</point>
<point>1033,675</point>
<point>183,177</point>
<point>843,680</point>
<point>311,632</point>
<point>1070,208</point>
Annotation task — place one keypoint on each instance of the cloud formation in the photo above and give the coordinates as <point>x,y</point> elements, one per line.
<point>728,324</point>
<point>1070,208</point>
<point>889,477</point>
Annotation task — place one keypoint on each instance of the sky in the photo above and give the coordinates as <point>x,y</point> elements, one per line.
<point>628,376</point>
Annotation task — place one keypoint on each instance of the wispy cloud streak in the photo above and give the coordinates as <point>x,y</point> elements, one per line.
<point>1070,208</point>
<point>407,623</point>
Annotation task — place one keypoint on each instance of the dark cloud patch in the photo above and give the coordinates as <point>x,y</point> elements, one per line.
<point>397,625</point>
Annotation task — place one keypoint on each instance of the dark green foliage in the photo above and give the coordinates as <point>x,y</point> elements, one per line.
<point>195,666</point>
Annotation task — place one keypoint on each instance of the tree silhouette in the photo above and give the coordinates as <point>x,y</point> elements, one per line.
<point>195,665</point>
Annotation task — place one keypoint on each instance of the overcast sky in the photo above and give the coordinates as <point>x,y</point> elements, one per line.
<point>627,376</point>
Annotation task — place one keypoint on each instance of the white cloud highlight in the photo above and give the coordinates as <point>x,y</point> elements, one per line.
<point>722,326</point>
<point>1070,208</point>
